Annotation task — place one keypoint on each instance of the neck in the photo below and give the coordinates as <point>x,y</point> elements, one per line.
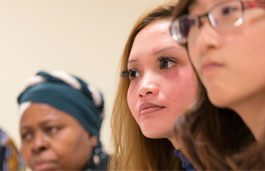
<point>174,142</point>
<point>252,111</point>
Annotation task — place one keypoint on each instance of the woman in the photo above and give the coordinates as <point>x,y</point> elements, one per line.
<point>157,85</point>
<point>10,158</point>
<point>60,119</point>
<point>226,50</point>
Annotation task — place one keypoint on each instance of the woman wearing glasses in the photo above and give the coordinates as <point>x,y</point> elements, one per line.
<point>225,41</point>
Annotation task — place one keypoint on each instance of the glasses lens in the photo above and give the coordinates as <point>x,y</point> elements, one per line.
<point>180,28</point>
<point>227,14</point>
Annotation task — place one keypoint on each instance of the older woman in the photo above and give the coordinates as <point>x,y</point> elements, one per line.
<point>60,123</point>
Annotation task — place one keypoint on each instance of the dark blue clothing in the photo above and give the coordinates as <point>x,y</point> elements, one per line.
<point>185,163</point>
<point>102,166</point>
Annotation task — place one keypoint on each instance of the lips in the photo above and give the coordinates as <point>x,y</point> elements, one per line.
<point>146,108</point>
<point>209,66</point>
<point>44,165</point>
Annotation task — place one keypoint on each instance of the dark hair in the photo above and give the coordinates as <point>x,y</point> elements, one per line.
<point>253,158</point>
<point>209,136</point>
<point>216,138</point>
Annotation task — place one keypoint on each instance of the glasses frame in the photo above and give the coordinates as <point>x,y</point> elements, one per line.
<point>176,35</point>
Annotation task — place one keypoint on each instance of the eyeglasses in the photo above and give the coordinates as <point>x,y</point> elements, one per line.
<point>224,14</point>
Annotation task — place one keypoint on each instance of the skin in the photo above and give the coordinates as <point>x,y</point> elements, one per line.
<point>230,64</point>
<point>51,137</point>
<point>162,85</point>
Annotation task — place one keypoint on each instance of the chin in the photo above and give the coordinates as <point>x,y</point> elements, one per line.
<point>154,134</point>
<point>222,102</point>
<point>220,97</point>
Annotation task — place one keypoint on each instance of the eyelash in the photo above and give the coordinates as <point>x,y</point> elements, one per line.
<point>161,60</point>
<point>168,59</point>
<point>128,73</point>
<point>51,129</point>
<point>25,135</point>
<point>28,135</point>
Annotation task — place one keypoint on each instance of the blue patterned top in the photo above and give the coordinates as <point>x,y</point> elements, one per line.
<point>185,163</point>
<point>10,158</point>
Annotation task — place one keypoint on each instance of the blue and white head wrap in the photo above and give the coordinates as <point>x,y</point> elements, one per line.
<point>71,95</point>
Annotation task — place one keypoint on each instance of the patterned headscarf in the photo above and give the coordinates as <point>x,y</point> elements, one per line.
<point>10,158</point>
<point>71,95</point>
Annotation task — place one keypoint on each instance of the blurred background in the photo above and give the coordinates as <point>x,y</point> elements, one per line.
<point>83,37</point>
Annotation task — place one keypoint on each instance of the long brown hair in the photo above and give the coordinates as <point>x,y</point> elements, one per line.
<point>212,137</point>
<point>132,150</point>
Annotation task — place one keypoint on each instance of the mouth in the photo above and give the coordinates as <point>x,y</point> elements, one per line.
<point>44,165</point>
<point>210,66</point>
<point>146,108</point>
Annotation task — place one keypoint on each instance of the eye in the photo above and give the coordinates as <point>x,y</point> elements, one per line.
<point>26,136</point>
<point>167,62</point>
<point>131,73</point>
<point>228,10</point>
<point>51,129</point>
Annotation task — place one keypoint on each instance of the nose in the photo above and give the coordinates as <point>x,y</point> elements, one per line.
<point>40,144</point>
<point>148,85</point>
<point>206,39</point>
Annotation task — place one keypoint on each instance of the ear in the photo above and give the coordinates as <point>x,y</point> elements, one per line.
<point>93,140</point>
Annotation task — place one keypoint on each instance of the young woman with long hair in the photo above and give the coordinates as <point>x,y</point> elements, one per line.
<point>225,43</point>
<point>156,86</point>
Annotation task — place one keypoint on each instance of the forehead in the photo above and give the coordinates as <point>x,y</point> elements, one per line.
<point>156,28</point>
<point>39,113</point>
<point>201,6</point>
<point>152,38</point>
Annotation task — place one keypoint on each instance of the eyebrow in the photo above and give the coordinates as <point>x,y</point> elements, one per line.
<point>132,61</point>
<point>167,48</point>
<point>157,52</point>
<point>164,49</point>
<point>41,123</point>
<point>47,121</point>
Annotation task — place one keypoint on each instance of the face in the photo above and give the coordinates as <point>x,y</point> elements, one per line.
<point>50,138</point>
<point>162,82</point>
<point>230,62</point>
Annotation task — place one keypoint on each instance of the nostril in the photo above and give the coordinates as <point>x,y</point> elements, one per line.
<point>149,92</point>
<point>42,148</point>
<point>145,93</point>
<point>39,149</point>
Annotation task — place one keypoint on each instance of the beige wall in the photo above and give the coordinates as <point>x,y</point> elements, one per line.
<point>84,37</point>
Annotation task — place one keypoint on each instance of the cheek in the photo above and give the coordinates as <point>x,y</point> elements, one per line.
<point>245,59</point>
<point>182,91</point>
<point>74,142</point>
<point>185,96</point>
<point>71,138</point>
<point>132,99</point>
<point>193,54</point>
<point>256,46</point>
<point>64,143</point>
<point>25,150</point>
<point>195,61</point>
